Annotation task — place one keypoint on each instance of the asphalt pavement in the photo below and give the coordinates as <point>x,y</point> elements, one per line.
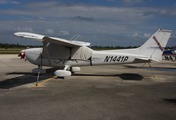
<point>113,92</point>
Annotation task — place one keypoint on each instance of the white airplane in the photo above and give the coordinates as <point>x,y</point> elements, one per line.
<point>69,54</point>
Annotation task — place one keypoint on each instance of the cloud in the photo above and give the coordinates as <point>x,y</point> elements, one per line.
<point>161,12</point>
<point>132,2</point>
<point>63,33</point>
<point>135,35</point>
<point>66,20</point>
<point>147,13</point>
<point>108,19</point>
<point>26,29</point>
<point>145,35</point>
<point>84,18</point>
<point>3,1</point>
<point>173,36</point>
<point>50,31</point>
<point>8,2</point>
<point>41,18</point>
<point>128,2</point>
<point>83,12</point>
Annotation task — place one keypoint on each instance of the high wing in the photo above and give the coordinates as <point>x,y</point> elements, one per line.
<point>70,49</point>
<point>54,40</point>
<point>65,42</point>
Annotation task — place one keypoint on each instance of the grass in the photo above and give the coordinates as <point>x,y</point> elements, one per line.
<point>11,50</point>
<point>103,49</point>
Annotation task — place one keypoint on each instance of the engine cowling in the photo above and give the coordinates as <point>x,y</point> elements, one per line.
<point>33,55</point>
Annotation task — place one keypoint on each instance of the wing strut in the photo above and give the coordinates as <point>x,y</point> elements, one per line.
<point>45,43</point>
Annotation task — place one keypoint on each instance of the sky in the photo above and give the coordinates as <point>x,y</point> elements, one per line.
<point>100,22</point>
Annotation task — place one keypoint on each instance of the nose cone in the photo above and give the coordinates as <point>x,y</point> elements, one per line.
<point>33,55</point>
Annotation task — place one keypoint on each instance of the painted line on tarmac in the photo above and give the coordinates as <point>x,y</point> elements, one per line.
<point>18,63</point>
<point>7,58</point>
<point>40,84</point>
<point>152,77</point>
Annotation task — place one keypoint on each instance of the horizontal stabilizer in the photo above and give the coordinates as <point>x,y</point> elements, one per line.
<point>147,59</point>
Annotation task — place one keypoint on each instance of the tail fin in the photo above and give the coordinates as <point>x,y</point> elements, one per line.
<point>153,47</point>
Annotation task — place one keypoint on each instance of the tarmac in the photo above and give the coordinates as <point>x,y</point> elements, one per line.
<point>112,92</point>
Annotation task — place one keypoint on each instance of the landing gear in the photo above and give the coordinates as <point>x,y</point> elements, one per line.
<point>150,69</point>
<point>38,71</point>
<point>62,73</point>
<point>37,79</point>
<point>75,69</point>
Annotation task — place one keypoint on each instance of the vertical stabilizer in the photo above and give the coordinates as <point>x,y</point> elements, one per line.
<point>153,47</point>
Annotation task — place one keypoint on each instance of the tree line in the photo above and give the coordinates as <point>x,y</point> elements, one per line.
<point>122,47</point>
<point>6,45</point>
<point>112,47</point>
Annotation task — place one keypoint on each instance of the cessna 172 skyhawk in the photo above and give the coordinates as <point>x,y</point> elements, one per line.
<point>69,54</point>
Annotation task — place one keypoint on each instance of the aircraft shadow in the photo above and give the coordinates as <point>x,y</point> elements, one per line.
<point>29,77</point>
<point>155,68</point>
<point>170,100</point>
<point>26,78</point>
<point>124,76</point>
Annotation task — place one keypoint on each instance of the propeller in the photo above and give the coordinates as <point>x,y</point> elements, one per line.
<point>22,55</point>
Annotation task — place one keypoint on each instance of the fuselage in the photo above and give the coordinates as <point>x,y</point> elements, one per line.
<point>109,57</point>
